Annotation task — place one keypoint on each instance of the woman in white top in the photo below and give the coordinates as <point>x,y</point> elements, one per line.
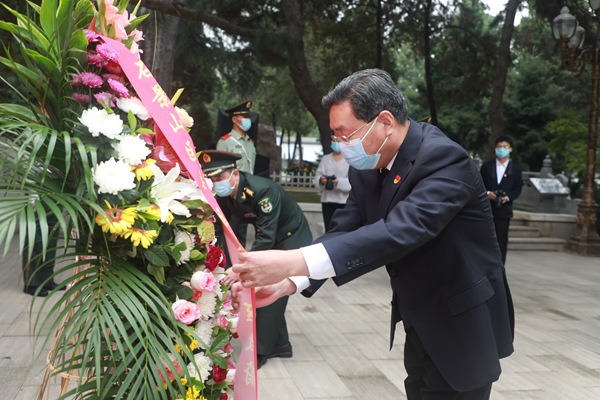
<point>334,191</point>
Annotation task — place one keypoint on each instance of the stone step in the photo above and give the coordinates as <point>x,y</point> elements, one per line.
<point>536,244</point>
<point>523,231</point>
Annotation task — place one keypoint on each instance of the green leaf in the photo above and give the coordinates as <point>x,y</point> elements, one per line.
<point>157,256</point>
<point>48,17</point>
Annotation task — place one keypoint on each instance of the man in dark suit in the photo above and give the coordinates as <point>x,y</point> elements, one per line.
<point>279,224</point>
<point>503,181</point>
<point>428,220</point>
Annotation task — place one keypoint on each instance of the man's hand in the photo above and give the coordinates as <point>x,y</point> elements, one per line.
<point>265,295</point>
<point>230,277</point>
<point>262,268</point>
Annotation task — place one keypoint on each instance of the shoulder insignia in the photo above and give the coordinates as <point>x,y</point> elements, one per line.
<point>243,196</point>
<point>249,191</point>
<point>225,137</point>
<point>265,205</point>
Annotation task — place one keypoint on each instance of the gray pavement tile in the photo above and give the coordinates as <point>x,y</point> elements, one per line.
<point>278,389</point>
<point>348,362</point>
<point>324,334</point>
<point>317,380</point>
<point>373,387</point>
<point>11,380</point>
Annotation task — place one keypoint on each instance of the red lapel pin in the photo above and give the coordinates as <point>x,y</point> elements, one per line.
<point>397,179</point>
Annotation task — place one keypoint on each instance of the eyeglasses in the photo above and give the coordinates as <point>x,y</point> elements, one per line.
<point>346,139</point>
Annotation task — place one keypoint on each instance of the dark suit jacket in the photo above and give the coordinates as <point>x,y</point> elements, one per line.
<point>430,223</point>
<point>511,184</point>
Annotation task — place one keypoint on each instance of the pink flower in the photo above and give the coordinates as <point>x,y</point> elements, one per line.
<point>185,311</point>
<point>120,22</point>
<point>170,374</point>
<point>227,302</point>
<point>228,348</point>
<point>222,321</point>
<point>91,36</point>
<point>118,87</point>
<point>203,281</point>
<point>119,78</point>
<point>105,99</point>
<point>82,98</point>
<point>96,60</point>
<point>88,79</point>
<point>107,52</point>
<point>164,154</point>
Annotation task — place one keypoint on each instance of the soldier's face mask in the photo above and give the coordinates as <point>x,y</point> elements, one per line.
<point>224,188</point>
<point>245,124</point>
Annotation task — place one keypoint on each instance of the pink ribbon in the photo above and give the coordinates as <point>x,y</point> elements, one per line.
<point>164,115</point>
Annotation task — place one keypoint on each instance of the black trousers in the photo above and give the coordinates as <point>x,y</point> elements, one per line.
<point>424,381</point>
<point>38,269</point>
<point>502,225</point>
<point>328,210</point>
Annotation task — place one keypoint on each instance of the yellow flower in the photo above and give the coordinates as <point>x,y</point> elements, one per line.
<point>179,349</point>
<point>194,345</point>
<point>141,236</point>
<point>153,213</point>
<point>116,220</point>
<point>193,394</point>
<point>143,171</point>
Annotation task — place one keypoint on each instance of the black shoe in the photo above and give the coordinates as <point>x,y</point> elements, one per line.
<point>33,289</point>
<point>261,360</point>
<point>282,352</point>
<point>50,286</point>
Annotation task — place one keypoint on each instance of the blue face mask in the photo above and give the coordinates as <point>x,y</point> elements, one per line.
<point>246,124</point>
<point>354,152</point>
<point>222,188</point>
<point>502,152</point>
<point>335,146</point>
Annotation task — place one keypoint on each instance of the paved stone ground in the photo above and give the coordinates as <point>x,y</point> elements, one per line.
<point>340,337</point>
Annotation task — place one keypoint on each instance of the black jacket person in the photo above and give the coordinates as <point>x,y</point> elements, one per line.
<point>279,224</point>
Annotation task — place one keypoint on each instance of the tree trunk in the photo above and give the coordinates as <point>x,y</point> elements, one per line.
<point>428,73</point>
<point>159,48</point>
<point>308,92</point>
<point>500,73</point>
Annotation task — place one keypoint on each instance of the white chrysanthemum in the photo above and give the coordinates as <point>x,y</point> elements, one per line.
<point>204,330</point>
<point>132,149</point>
<point>185,118</point>
<point>134,105</point>
<point>184,237</point>
<point>196,194</point>
<point>113,176</point>
<point>167,191</point>
<point>207,304</point>
<point>204,366</point>
<point>101,122</point>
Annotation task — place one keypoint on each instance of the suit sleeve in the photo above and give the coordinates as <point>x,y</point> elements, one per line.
<point>517,183</point>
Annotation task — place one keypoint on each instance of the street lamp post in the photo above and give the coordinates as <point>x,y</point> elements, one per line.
<point>585,240</point>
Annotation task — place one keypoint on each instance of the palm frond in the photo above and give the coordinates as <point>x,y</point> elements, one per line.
<point>119,325</point>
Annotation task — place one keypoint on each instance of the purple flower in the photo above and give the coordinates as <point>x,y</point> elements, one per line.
<point>81,98</point>
<point>118,87</point>
<point>107,52</point>
<point>96,60</point>
<point>105,99</point>
<point>91,36</point>
<point>89,79</point>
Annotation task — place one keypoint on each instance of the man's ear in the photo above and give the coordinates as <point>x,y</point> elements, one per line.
<point>389,122</point>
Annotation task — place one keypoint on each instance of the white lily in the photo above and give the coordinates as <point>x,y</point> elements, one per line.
<point>167,191</point>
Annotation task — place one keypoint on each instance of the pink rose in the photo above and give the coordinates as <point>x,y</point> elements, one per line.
<point>222,321</point>
<point>203,281</point>
<point>185,311</point>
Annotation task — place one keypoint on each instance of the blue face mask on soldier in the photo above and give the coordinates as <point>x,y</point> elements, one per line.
<point>355,154</point>
<point>246,124</point>
<point>222,188</point>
